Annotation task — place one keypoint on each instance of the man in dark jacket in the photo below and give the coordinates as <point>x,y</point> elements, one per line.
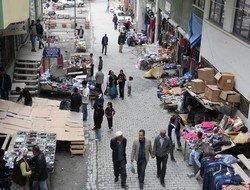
<point>121,81</point>
<point>105,43</point>
<point>161,149</point>
<point>80,32</point>
<point>26,94</point>
<point>76,101</point>
<point>40,173</point>
<point>121,41</point>
<point>118,146</point>
<point>178,122</point>
<point>171,135</point>
<point>115,19</point>
<point>39,31</point>
<point>5,84</point>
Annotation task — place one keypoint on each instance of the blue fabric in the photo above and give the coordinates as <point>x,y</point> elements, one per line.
<point>195,28</point>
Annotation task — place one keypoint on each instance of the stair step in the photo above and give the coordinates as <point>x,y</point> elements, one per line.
<point>26,75</point>
<point>31,86</point>
<point>27,63</point>
<point>20,80</point>
<point>26,69</point>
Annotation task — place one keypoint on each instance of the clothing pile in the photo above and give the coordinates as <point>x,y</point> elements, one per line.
<point>178,81</point>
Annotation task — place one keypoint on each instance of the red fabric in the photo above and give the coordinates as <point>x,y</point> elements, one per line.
<point>183,42</point>
<point>207,125</point>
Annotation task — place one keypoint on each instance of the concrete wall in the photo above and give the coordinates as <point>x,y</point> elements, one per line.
<point>1,15</point>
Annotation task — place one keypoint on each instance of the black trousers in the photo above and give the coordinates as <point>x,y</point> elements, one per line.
<point>97,85</point>
<point>178,138</point>
<point>120,168</point>
<point>161,167</point>
<point>104,49</point>
<point>121,89</point>
<point>141,167</point>
<point>172,147</point>
<point>110,122</point>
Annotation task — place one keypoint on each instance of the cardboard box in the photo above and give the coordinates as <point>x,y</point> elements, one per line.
<point>225,81</point>
<point>206,74</point>
<point>197,86</point>
<point>210,82</point>
<point>230,96</point>
<point>212,93</point>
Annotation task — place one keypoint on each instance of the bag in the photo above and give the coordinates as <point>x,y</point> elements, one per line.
<point>132,168</point>
<point>226,140</point>
<point>107,90</point>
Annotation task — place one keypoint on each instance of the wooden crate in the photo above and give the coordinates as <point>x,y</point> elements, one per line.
<point>77,148</point>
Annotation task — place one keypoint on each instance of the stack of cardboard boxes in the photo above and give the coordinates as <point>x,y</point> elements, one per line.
<point>217,88</point>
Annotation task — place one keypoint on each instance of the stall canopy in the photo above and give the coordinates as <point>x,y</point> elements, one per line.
<point>194,27</point>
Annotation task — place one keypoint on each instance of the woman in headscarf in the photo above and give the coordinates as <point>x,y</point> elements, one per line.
<point>21,171</point>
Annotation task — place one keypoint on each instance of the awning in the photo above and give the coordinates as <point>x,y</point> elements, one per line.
<point>173,23</point>
<point>195,28</point>
<point>183,33</point>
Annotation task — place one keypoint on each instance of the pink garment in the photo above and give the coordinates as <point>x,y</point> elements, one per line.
<point>207,125</point>
<point>129,83</point>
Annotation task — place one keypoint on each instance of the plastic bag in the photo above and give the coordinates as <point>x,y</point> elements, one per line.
<point>132,168</point>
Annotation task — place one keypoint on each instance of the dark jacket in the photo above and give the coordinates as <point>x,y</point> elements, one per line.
<point>122,78</point>
<point>115,19</point>
<point>121,39</point>
<point>17,176</point>
<point>114,147</point>
<point>39,172</point>
<point>111,79</point>
<point>105,40</point>
<point>3,169</point>
<point>178,123</point>
<point>98,117</point>
<point>98,101</point>
<point>39,29</point>
<point>79,30</point>
<point>76,102</point>
<point>27,97</point>
<point>163,150</point>
<point>7,82</point>
<point>170,128</point>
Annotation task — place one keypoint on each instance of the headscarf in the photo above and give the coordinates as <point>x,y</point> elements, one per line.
<point>21,153</point>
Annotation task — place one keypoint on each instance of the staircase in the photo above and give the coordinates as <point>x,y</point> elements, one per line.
<point>27,71</point>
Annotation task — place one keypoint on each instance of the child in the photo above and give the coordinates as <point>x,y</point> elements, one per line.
<point>98,118</point>
<point>196,152</point>
<point>110,112</point>
<point>129,85</point>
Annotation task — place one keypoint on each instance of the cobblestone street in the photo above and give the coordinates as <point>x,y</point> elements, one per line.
<point>140,111</point>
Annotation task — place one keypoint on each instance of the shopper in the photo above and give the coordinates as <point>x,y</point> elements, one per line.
<point>112,79</point>
<point>99,98</point>
<point>129,85</point>
<point>161,148</point>
<point>39,29</point>
<point>33,33</point>
<point>197,151</point>
<point>39,173</point>
<point>128,25</point>
<point>109,113</point>
<point>91,61</point>
<point>121,81</point>
<point>100,65</point>
<point>85,100</point>
<point>26,94</point>
<point>178,122</point>
<point>171,135</point>
<point>98,118</point>
<point>113,91</point>
<point>118,146</point>
<point>104,44</point>
<point>141,149</point>
<point>76,101</point>
<point>121,41</point>
<point>4,181</point>
<point>99,77</point>
<point>21,171</point>
<point>115,19</point>
<point>5,84</point>
<point>80,32</point>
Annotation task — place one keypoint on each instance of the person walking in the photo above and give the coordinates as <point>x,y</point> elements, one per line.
<point>39,30</point>
<point>129,85</point>
<point>98,101</point>
<point>92,65</point>
<point>109,113</point>
<point>115,20</point>
<point>140,152</point>
<point>33,33</point>
<point>39,173</point>
<point>5,84</point>
<point>76,101</point>
<point>99,78</point>
<point>171,135</point>
<point>80,32</point>
<point>121,81</point>
<point>121,41</point>
<point>26,94</point>
<point>178,122</point>
<point>118,146</point>
<point>100,62</point>
<point>104,44</point>
<point>98,118</point>
<point>85,100</point>
<point>161,147</point>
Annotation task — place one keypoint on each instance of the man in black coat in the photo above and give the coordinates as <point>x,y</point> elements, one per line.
<point>26,94</point>
<point>76,101</point>
<point>5,84</point>
<point>39,30</point>
<point>105,43</point>
<point>118,146</point>
<point>121,41</point>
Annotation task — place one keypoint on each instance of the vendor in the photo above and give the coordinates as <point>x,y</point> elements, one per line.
<point>4,182</point>
<point>197,151</point>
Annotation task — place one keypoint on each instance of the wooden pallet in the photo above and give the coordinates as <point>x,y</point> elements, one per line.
<point>77,147</point>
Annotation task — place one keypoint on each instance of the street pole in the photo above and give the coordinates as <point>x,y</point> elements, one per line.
<point>75,16</point>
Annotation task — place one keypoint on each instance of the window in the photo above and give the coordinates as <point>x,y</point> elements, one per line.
<point>242,19</point>
<point>216,13</point>
<point>199,3</point>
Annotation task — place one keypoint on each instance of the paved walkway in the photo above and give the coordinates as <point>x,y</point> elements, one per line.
<point>140,111</point>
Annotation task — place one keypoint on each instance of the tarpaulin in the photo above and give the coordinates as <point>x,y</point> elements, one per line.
<point>194,27</point>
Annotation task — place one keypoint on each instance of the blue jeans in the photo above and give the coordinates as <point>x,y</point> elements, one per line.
<point>42,185</point>
<point>196,155</point>
<point>99,134</point>
<point>33,42</point>
<point>84,111</point>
